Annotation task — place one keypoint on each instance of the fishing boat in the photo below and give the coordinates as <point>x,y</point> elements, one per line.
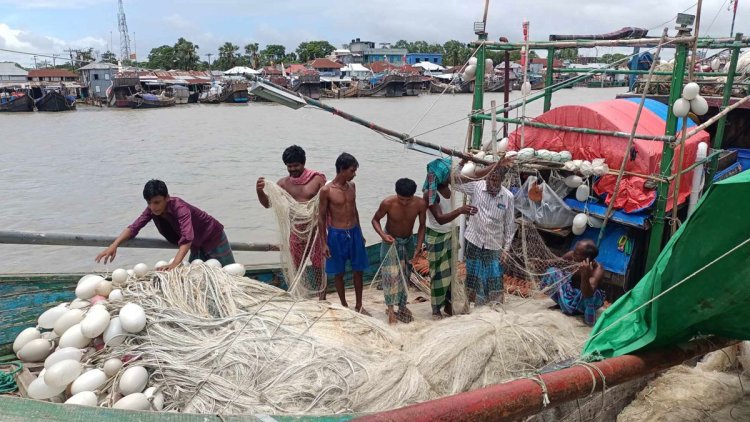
<point>180,93</point>
<point>234,92</point>
<point>54,100</point>
<point>148,100</point>
<point>15,101</point>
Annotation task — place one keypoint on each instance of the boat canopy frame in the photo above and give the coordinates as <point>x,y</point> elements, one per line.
<point>670,140</point>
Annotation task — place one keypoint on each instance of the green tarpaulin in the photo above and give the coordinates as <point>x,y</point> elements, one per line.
<point>706,265</point>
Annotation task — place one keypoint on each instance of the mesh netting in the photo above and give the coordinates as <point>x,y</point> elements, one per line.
<point>301,246</point>
<point>391,278</point>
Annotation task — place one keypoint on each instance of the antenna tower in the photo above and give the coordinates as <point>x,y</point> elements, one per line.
<point>124,37</point>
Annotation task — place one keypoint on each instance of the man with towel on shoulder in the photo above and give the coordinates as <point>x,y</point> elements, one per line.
<point>303,184</point>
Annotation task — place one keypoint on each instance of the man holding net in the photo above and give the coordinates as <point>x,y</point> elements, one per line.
<point>401,211</point>
<point>303,185</point>
<point>489,233</point>
<point>439,233</point>
<point>577,292</point>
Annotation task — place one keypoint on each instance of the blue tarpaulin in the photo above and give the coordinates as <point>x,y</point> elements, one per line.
<point>610,257</point>
<point>660,109</point>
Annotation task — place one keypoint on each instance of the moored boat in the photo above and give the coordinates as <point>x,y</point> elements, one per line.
<point>15,102</point>
<point>54,100</point>
<point>146,100</point>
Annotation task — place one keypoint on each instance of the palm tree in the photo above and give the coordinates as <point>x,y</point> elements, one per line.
<point>227,55</point>
<point>252,51</point>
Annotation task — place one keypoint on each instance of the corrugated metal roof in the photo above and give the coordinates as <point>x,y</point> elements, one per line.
<point>11,69</point>
<point>98,66</point>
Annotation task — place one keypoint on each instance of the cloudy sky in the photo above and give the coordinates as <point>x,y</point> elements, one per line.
<point>52,26</point>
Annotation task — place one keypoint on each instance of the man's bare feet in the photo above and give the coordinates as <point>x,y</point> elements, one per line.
<point>362,311</point>
<point>391,316</point>
<point>437,316</point>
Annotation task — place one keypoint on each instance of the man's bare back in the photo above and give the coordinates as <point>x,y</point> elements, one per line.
<point>340,204</point>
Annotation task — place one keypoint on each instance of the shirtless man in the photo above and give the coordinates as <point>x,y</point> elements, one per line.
<point>578,292</point>
<point>401,210</point>
<point>338,223</point>
<point>302,184</point>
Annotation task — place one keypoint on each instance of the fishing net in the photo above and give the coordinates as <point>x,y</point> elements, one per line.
<point>221,344</point>
<point>301,255</point>
<point>391,278</point>
<point>713,389</point>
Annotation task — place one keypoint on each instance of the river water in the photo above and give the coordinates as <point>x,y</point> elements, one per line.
<point>84,171</point>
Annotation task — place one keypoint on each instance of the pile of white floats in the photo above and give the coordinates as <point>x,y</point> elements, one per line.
<point>70,336</point>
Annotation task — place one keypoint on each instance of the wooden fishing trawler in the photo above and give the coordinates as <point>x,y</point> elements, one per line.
<point>562,387</point>
<point>307,84</point>
<point>233,92</point>
<point>54,100</point>
<point>148,100</point>
<point>15,101</point>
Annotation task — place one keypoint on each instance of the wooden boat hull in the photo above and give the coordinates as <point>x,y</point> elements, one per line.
<point>23,103</point>
<point>54,101</point>
<point>137,101</point>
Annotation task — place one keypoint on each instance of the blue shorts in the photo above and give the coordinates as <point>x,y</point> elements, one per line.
<point>346,245</point>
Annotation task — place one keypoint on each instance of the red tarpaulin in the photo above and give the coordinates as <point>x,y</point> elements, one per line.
<point>612,115</point>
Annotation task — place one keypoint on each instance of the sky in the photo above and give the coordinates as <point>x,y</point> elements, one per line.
<point>53,26</point>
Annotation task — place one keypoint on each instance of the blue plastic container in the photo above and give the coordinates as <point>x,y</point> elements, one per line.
<point>743,157</point>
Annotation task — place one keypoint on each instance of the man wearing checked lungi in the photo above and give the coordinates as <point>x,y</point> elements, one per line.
<point>439,233</point>
<point>489,234</point>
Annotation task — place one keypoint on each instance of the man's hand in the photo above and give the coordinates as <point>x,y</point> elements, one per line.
<point>587,268</point>
<point>387,238</point>
<point>417,253</point>
<point>108,254</point>
<point>504,257</point>
<point>468,210</point>
<point>260,184</point>
<point>325,251</point>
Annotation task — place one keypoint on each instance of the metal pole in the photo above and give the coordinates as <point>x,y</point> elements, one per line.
<point>719,136</point>
<point>478,103</point>
<point>657,229</point>
<point>506,93</point>
<point>587,131</point>
<point>13,237</point>
<point>548,81</point>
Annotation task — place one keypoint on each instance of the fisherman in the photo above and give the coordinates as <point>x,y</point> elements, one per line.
<point>439,233</point>
<point>489,234</point>
<point>339,224</point>
<point>182,224</point>
<point>302,184</point>
<point>577,292</point>
<point>401,211</point>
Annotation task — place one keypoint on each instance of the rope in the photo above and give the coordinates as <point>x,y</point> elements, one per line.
<point>545,396</point>
<point>679,283</point>
<point>7,379</point>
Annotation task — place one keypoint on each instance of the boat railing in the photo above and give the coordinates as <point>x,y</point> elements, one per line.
<point>14,237</point>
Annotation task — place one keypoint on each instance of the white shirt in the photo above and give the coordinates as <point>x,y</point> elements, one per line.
<point>494,224</point>
<point>445,208</point>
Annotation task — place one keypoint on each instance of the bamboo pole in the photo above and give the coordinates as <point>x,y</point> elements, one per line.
<point>631,72</point>
<point>588,131</point>
<point>631,138</point>
<point>14,237</point>
<point>714,154</point>
<point>717,117</point>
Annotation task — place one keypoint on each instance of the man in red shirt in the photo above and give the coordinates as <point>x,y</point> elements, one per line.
<point>182,224</point>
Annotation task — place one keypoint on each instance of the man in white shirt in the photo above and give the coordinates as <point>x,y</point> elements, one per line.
<point>489,235</point>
